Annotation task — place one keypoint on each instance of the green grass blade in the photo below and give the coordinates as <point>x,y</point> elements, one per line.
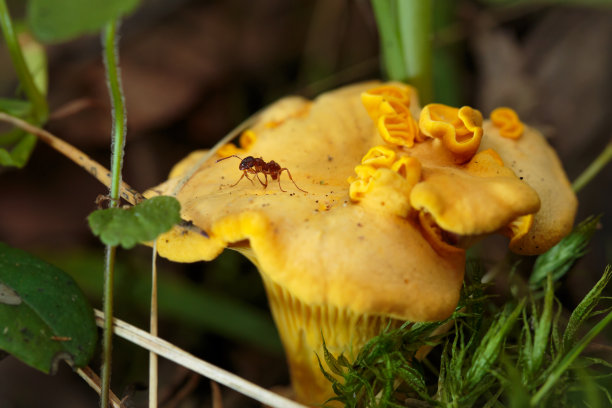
<point>385,12</point>
<point>415,28</point>
<point>491,345</point>
<point>594,169</point>
<point>584,309</point>
<point>541,339</point>
<point>567,360</point>
<point>560,258</point>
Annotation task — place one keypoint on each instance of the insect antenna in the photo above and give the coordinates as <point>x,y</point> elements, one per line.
<point>233,155</point>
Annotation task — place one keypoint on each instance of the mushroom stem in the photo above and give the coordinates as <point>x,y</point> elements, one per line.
<point>301,327</point>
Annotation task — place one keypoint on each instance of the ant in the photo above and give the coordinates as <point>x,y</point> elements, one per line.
<point>255,166</point>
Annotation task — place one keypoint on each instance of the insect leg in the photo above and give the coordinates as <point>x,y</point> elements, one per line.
<point>265,185</point>
<point>247,176</point>
<point>279,184</point>
<point>289,174</point>
<point>243,174</point>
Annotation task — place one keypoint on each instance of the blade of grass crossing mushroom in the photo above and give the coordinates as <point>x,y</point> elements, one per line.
<point>226,139</point>
<point>181,357</point>
<point>153,330</point>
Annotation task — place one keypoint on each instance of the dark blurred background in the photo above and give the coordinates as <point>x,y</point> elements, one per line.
<point>192,70</point>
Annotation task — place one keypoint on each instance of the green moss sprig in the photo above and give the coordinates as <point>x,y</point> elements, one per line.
<point>519,354</point>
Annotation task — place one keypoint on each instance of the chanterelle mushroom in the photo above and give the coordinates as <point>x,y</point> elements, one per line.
<point>392,189</point>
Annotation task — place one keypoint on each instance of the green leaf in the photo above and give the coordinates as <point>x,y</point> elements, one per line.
<point>35,58</point>
<point>560,258</point>
<point>16,46</point>
<point>192,306</point>
<point>141,223</point>
<point>18,154</point>
<point>16,146</point>
<point>61,20</point>
<point>44,316</point>
<point>15,107</point>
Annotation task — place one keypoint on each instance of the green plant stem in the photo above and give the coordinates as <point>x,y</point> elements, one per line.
<point>405,28</point>
<point>39,103</point>
<point>111,61</point>
<point>594,168</point>
<point>107,333</point>
<point>117,145</point>
<point>568,359</point>
<point>393,62</point>
<point>415,28</point>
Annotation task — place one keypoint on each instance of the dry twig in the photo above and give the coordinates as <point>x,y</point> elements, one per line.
<point>93,380</point>
<point>179,356</point>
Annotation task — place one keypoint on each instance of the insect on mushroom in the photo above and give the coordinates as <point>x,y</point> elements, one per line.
<point>255,166</point>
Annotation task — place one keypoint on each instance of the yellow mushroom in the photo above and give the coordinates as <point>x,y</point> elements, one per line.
<point>459,129</point>
<point>348,257</point>
<point>508,123</point>
<point>476,198</point>
<point>534,162</point>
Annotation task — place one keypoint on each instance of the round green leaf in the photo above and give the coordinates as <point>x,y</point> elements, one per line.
<point>141,223</point>
<point>61,20</point>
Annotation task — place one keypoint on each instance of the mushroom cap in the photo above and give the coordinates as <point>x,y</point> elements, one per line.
<point>533,160</point>
<point>319,245</point>
<point>477,198</point>
<point>340,240</point>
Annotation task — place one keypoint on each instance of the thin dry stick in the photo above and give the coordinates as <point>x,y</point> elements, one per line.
<point>94,168</point>
<point>153,330</point>
<point>179,356</point>
<point>184,391</point>
<point>217,400</point>
<point>72,108</point>
<point>91,166</point>
<point>92,379</point>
